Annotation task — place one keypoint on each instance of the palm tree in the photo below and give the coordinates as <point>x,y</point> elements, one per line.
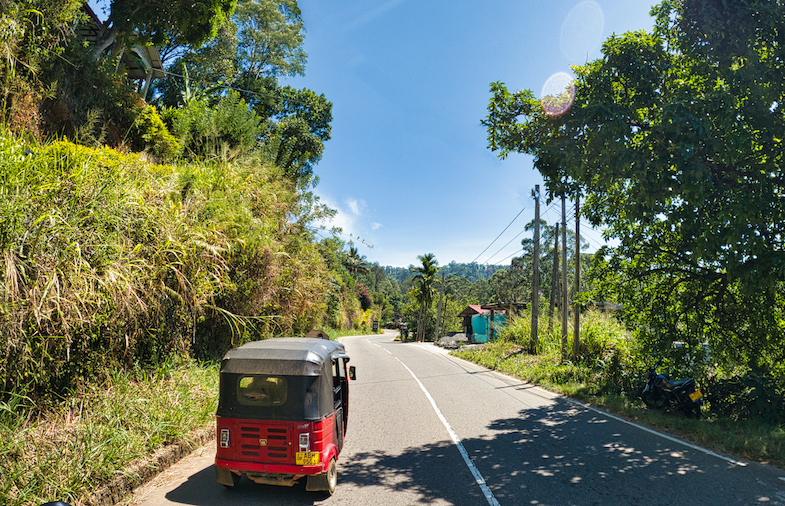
<point>355,263</point>
<point>424,280</point>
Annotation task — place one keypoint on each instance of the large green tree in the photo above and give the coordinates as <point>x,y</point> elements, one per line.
<point>675,139</point>
<point>262,42</point>
<point>270,37</point>
<point>180,22</point>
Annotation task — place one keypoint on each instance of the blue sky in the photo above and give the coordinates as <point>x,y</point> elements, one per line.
<point>407,167</point>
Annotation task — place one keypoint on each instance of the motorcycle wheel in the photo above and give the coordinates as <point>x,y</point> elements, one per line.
<point>689,408</point>
<point>651,401</point>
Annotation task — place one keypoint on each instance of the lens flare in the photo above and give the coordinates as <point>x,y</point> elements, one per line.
<point>581,32</point>
<point>557,94</point>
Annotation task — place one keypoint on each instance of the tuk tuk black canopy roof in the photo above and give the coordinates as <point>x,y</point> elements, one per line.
<point>292,356</point>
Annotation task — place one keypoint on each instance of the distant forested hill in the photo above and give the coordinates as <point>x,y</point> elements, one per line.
<point>472,272</point>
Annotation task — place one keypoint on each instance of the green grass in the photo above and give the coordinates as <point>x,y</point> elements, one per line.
<point>83,443</point>
<point>747,439</point>
<point>336,333</point>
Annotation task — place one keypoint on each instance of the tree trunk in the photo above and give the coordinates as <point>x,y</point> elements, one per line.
<point>419,323</point>
<point>105,40</point>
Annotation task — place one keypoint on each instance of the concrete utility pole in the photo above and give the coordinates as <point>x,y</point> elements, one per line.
<point>536,274</point>
<point>576,331</point>
<point>564,294</point>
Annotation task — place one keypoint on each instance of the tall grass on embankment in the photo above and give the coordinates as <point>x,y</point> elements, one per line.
<point>88,440</point>
<point>610,373</point>
<point>108,260</point>
<point>110,265</point>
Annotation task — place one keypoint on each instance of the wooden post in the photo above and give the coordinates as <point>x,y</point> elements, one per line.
<point>564,294</point>
<point>576,331</point>
<point>439,311</point>
<point>554,278</point>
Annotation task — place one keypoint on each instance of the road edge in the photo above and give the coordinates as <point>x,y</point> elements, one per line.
<point>144,469</point>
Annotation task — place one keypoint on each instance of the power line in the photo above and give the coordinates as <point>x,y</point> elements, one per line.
<point>554,204</point>
<point>509,256</point>
<point>508,243</point>
<point>497,237</point>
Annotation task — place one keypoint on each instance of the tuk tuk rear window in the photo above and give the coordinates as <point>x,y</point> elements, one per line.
<point>261,390</point>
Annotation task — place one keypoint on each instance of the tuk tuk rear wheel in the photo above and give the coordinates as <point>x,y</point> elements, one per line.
<point>332,477</point>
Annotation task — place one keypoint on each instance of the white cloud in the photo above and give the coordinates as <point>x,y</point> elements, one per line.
<point>349,218</point>
<point>355,206</point>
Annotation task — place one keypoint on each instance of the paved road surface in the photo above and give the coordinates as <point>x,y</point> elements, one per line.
<point>426,428</point>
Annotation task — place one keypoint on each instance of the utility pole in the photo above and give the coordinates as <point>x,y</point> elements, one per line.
<point>536,274</point>
<point>554,278</point>
<point>576,336</point>
<point>439,311</point>
<point>564,294</point>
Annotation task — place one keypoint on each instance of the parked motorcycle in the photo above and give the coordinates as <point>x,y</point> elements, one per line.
<point>664,393</point>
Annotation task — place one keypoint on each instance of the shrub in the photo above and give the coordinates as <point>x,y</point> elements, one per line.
<point>754,395</point>
<point>227,129</point>
<point>364,297</point>
<point>150,134</point>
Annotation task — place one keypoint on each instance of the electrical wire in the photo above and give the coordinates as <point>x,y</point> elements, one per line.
<point>497,237</point>
<point>508,243</point>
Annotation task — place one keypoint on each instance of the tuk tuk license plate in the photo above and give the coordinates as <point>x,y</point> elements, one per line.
<point>307,458</point>
<point>696,395</point>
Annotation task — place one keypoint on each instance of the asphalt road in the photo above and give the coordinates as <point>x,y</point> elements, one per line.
<point>427,428</point>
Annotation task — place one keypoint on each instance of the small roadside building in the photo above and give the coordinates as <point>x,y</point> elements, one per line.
<point>140,63</point>
<point>481,323</point>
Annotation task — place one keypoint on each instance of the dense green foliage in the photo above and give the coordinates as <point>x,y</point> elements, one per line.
<point>471,272</point>
<point>150,22</point>
<point>262,42</point>
<point>675,140</point>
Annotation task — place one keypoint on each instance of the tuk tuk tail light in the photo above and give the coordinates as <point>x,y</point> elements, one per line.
<point>305,442</point>
<point>225,438</point>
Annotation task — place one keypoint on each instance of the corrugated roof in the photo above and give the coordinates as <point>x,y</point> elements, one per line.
<point>471,310</point>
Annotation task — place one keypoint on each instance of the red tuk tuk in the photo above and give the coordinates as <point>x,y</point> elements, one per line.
<point>282,412</point>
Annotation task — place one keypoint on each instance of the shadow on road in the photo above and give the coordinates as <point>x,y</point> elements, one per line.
<point>564,454</point>
<point>561,454</point>
<point>201,489</point>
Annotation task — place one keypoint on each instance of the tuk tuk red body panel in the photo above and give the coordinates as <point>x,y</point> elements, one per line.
<point>271,447</point>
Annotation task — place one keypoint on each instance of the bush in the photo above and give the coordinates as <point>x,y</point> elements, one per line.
<point>150,134</point>
<point>364,297</point>
<point>228,129</point>
<point>754,395</point>
<point>93,105</point>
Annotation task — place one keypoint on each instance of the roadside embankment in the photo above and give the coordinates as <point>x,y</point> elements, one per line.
<point>104,440</point>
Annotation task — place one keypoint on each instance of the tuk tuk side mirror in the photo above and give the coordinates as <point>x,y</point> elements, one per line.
<point>352,373</point>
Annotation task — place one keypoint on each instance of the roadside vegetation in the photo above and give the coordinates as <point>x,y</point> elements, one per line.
<point>84,442</point>
<point>148,227</point>
<point>610,374</point>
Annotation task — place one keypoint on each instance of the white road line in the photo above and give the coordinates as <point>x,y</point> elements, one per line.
<point>475,472</point>
<point>664,436</point>
<point>481,481</point>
